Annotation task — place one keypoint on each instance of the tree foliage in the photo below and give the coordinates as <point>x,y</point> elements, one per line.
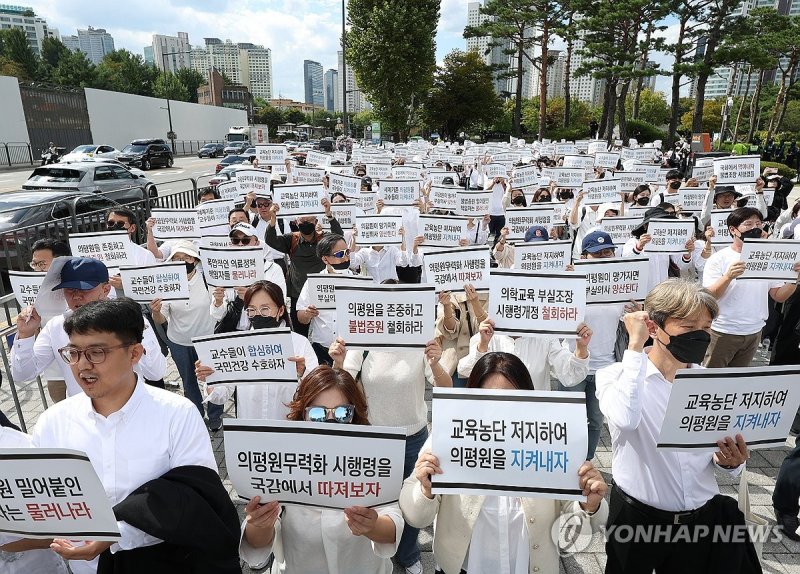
<point>122,71</point>
<point>167,85</point>
<point>16,51</point>
<point>192,79</point>
<point>653,107</point>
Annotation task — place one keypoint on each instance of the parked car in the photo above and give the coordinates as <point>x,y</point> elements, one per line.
<point>114,181</point>
<point>227,173</point>
<point>250,153</point>
<point>235,148</point>
<point>146,154</point>
<point>211,150</point>
<point>21,209</point>
<point>327,144</point>
<point>230,160</point>
<point>149,184</point>
<point>91,152</point>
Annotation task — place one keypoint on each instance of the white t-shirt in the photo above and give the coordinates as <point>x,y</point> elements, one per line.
<point>743,308</point>
<point>603,320</point>
<point>187,319</point>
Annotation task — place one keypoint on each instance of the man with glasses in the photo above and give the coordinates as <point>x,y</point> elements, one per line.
<point>81,280</point>
<point>260,204</point>
<point>124,219</point>
<point>743,305</point>
<point>131,432</point>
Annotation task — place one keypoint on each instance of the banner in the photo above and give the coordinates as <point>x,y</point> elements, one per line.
<point>442,230</point>
<point>233,266</point>
<point>443,197</point>
<point>111,247</point>
<point>549,256</point>
<point>271,153</point>
<point>165,281</point>
<point>399,192</point>
<point>600,191</point>
<point>737,169</point>
<point>524,304</point>
<point>474,203</point>
<point>521,219</point>
<point>322,287</point>
<point>771,259</point>
<point>719,223</point>
<point>386,316</point>
<point>707,405</point>
<point>614,280</point>
<point>347,185</point>
<point>450,269</point>
<point>53,493</point>
<point>25,285</point>
<point>669,235</point>
<point>254,356</point>
<point>378,230</point>
<point>315,464</point>
<point>509,443</point>
<point>175,224</point>
<point>212,216</point>
<point>298,198</point>
<point>257,180</point>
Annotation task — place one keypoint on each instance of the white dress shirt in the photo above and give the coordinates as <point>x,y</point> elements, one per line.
<point>266,400</point>
<point>603,320</point>
<point>187,319</point>
<point>30,357</point>
<point>658,263</point>
<point>543,356</point>
<point>633,396</point>
<point>382,265</point>
<point>499,541</point>
<point>313,541</point>
<point>43,561</point>
<point>141,256</point>
<point>322,328</point>
<point>154,432</point>
<point>272,273</point>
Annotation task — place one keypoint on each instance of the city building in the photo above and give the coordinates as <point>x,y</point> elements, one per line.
<point>312,80</point>
<point>149,57</point>
<point>288,104</point>
<point>330,95</point>
<point>244,63</point>
<point>555,76</point>
<point>224,56</point>
<point>94,42</point>
<point>255,64</point>
<point>217,93</point>
<point>171,53</point>
<point>24,18</point>
<point>584,87</point>
<point>649,82</point>
<point>356,102</point>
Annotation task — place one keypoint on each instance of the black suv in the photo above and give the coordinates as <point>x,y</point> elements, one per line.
<point>211,150</point>
<point>146,154</point>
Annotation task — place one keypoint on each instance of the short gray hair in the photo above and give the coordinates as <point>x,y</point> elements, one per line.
<point>678,299</point>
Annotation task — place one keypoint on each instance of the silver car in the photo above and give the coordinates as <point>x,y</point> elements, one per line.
<point>113,181</point>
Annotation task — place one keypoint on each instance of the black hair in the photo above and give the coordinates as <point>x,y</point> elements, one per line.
<point>121,316</point>
<point>326,244</point>
<point>56,247</point>
<point>673,174</point>
<point>506,364</point>
<point>738,216</point>
<point>641,189</point>
<point>124,212</point>
<point>339,193</point>
<point>238,210</point>
<point>208,191</point>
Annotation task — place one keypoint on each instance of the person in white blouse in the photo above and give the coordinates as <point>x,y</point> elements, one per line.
<point>496,534</point>
<point>655,487</point>
<point>382,261</point>
<point>265,308</point>
<point>322,541</point>
<point>132,433</point>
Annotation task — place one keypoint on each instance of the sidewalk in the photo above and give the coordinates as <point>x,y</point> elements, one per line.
<point>779,558</point>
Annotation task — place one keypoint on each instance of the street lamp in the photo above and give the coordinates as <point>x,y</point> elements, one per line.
<point>171,134</point>
<point>345,123</point>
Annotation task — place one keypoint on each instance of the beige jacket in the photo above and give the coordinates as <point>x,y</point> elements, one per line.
<point>504,258</point>
<point>455,345</point>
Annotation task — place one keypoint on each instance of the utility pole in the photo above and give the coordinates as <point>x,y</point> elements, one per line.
<point>345,121</point>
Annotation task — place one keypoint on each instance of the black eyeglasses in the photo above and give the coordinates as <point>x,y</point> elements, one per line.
<point>341,254</point>
<point>95,355</point>
<point>115,224</point>
<point>241,240</point>
<point>340,414</point>
<point>263,204</point>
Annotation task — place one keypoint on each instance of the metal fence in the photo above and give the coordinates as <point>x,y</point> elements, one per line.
<point>191,147</point>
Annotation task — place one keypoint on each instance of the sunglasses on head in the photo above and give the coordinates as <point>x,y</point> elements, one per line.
<point>341,254</point>
<point>115,224</point>
<point>340,414</point>
<point>241,240</point>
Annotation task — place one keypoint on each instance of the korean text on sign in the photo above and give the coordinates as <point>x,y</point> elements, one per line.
<point>166,281</point>
<point>112,248</point>
<point>256,356</point>
<point>614,280</point>
<point>175,224</point>
<point>26,285</point>
<point>232,266</point>
<point>770,259</point>
<point>669,235</point>
<point>451,269</point>
<point>546,256</point>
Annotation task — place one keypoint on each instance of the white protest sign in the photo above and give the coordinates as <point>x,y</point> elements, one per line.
<point>770,259</point>
<point>256,180</point>
<point>271,153</point>
<point>669,235</point>
<point>402,192</point>
<point>379,170</point>
<point>450,269</point>
<point>232,266</point>
<point>366,201</point>
<point>307,174</point>
<point>53,493</point>
<point>406,172</point>
<point>315,464</point>
<point>378,230</point>
<point>175,224</point>
<point>166,281</point>
<point>493,170</point>
<point>215,241</point>
<point>606,159</point>
<point>596,147</point>
<point>706,405</point>
<point>111,247</point>
<point>248,357</point>
<point>614,280</point>
<point>600,191</point>
<point>318,158</point>
<point>276,168</point>
<point>322,287</point>
<point>563,149</point>
<point>737,169</point>
<point>509,443</point>
<point>25,285</point>
<point>565,177</point>
<point>692,198</point>
<point>584,162</point>
<point>524,304</point>
<point>521,219</point>
<point>438,177</point>
<point>525,176</point>
<point>703,174</point>
<point>548,256</point>
<point>347,185</point>
<point>629,180</point>
<point>298,198</point>
<point>212,216</point>
<point>345,213</point>
<point>444,197</point>
<point>442,230</point>
<point>229,190</point>
<point>474,203</point>
<point>651,173</point>
<point>385,316</point>
<point>719,223</point>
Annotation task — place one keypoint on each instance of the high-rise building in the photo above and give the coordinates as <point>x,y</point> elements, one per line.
<point>224,56</point>
<point>23,17</point>
<point>330,94</point>
<point>255,63</point>
<point>649,82</point>
<point>555,76</point>
<point>244,63</point>
<point>356,102</point>
<point>585,87</point>
<point>312,80</point>
<point>94,42</point>
<point>149,58</point>
<point>71,42</point>
<point>171,53</point>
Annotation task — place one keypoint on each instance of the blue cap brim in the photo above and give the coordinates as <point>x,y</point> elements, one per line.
<point>82,285</point>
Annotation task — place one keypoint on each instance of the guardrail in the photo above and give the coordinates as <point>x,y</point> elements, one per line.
<point>191,147</point>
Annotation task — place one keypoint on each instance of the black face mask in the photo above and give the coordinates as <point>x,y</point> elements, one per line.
<point>259,322</point>
<point>341,266</point>
<point>642,200</point>
<point>189,267</point>
<point>688,347</point>
<point>674,185</point>
<point>306,228</point>
<point>519,200</point>
<point>754,233</point>
<point>544,199</point>
<point>565,195</point>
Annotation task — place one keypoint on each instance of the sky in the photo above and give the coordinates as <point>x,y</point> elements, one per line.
<point>295,30</point>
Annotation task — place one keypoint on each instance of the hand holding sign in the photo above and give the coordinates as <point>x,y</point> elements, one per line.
<point>259,530</point>
<point>427,465</point>
<point>731,453</point>
<point>87,552</point>
<point>28,323</point>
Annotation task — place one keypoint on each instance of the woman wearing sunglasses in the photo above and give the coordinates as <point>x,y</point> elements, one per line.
<point>264,308</point>
<point>480,534</point>
<point>357,539</point>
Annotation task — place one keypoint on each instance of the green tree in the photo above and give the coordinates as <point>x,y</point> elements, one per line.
<point>711,121</point>
<point>296,117</point>
<point>272,117</point>
<point>122,71</point>
<point>75,69</point>
<point>191,79</point>
<point>653,107</point>
<point>168,86</point>
<point>392,50</point>
<point>14,47</point>
<point>52,51</point>
<point>463,95</point>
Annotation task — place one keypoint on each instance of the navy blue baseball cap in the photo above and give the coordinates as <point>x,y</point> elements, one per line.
<point>536,233</point>
<point>597,241</point>
<point>82,273</point>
